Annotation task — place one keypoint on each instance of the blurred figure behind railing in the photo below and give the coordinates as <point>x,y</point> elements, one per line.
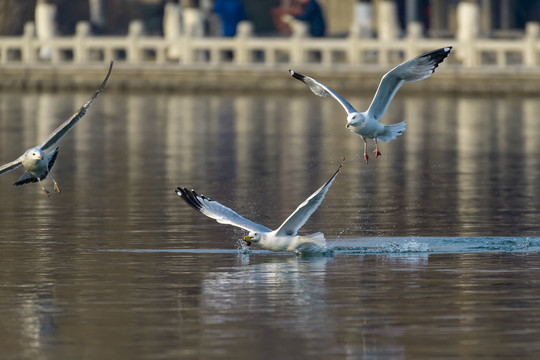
<point>307,11</point>
<point>231,12</point>
<point>45,26</point>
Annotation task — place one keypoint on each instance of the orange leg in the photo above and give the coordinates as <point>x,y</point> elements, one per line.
<point>366,157</point>
<point>376,151</point>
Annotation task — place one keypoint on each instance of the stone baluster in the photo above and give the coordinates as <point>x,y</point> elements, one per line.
<point>414,36</point>
<point>243,32</point>
<point>299,34</point>
<point>82,31</point>
<point>387,27</point>
<point>467,32</point>
<point>45,15</point>
<point>135,31</point>
<point>532,34</point>
<point>172,30</point>
<point>28,51</point>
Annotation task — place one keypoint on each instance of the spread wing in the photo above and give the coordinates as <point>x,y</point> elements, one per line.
<point>26,178</point>
<point>10,166</point>
<point>218,212</point>
<point>302,213</point>
<point>322,90</point>
<point>63,129</point>
<point>51,158</point>
<point>415,69</point>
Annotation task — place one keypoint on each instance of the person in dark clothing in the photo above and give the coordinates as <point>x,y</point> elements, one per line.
<point>231,13</point>
<point>313,16</point>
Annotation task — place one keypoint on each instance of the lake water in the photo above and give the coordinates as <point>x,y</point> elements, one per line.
<point>436,243</point>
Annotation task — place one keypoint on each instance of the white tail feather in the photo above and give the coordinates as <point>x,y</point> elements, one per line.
<point>392,131</point>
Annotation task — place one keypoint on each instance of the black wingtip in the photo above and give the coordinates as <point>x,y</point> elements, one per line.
<point>190,197</point>
<point>340,165</point>
<point>437,56</point>
<point>445,49</point>
<point>335,174</point>
<point>106,77</point>
<point>296,75</point>
<point>440,54</point>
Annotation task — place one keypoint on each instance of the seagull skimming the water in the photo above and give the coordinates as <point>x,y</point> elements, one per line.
<point>285,238</point>
<point>38,164</point>
<point>366,124</point>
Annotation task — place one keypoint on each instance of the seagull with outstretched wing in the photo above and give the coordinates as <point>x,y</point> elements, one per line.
<point>366,124</point>
<point>38,164</point>
<point>285,238</point>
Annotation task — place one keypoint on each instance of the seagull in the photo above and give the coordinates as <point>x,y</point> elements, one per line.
<point>366,124</point>
<point>35,161</point>
<point>285,238</point>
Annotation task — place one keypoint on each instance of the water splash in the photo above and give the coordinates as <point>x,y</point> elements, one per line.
<point>411,246</point>
<point>243,248</point>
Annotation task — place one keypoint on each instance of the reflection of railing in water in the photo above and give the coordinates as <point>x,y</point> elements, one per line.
<point>268,52</point>
<point>461,164</point>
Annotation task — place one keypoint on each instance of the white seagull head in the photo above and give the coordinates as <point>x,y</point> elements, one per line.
<point>34,154</point>
<point>253,236</point>
<point>355,119</point>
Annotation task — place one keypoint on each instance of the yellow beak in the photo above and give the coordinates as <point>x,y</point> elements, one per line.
<point>247,239</point>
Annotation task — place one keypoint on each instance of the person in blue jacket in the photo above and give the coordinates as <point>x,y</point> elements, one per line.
<point>231,13</point>
<point>312,14</point>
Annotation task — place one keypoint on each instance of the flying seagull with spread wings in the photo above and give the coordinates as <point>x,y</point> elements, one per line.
<point>285,238</point>
<point>38,164</point>
<point>366,124</point>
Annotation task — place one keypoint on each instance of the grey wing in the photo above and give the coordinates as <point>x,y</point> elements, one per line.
<point>388,87</point>
<point>51,157</point>
<point>218,212</point>
<point>26,178</point>
<point>302,213</point>
<point>415,69</point>
<point>63,129</point>
<point>322,90</point>
<point>10,166</point>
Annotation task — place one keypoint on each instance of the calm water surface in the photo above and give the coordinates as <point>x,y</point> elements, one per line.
<point>436,243</point>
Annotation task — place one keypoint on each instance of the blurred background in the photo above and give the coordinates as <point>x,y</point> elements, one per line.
<point>206,44</point>
<point>499,18</point>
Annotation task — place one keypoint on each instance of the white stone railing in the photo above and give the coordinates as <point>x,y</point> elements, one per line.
<point>248,50</point>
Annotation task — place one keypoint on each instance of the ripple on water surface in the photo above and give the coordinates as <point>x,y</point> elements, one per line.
<point>386,245</point>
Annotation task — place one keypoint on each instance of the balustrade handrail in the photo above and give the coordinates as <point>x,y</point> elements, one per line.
<point>248,50</point>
